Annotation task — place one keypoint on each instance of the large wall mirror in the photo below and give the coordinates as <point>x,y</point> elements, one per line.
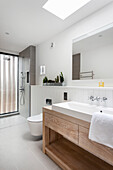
<point>92,55</point>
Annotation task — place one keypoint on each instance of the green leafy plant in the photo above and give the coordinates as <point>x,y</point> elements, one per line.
<point>61,77</point>
<point>45,80</point>
<point>57,79</point>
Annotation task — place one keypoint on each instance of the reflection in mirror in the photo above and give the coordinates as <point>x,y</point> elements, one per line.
<point>92,57</point>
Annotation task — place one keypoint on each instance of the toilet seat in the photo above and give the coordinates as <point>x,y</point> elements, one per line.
<point>35,119</point>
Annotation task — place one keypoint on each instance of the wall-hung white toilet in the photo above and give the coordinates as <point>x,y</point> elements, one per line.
<point>35,124</point>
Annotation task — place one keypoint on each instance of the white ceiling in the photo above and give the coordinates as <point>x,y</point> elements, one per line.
<point>29,24</point>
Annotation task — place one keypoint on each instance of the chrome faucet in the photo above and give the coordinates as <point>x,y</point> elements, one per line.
<point>92,98</point>
<point>104,98</point>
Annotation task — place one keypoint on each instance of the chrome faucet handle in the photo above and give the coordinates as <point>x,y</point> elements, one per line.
<point>97,98</point>
<point>91,98</point>
<point>104,98</point>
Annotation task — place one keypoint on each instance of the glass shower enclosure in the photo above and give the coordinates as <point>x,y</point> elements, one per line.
<point>8,83</point>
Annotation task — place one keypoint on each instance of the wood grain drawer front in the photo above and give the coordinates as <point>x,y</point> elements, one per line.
<point>99,150</point>
<point>67,129</point>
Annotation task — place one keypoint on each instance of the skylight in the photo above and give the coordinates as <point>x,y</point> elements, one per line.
<point>64,8</point>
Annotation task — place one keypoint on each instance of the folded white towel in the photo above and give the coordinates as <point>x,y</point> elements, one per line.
<point>101,129</point>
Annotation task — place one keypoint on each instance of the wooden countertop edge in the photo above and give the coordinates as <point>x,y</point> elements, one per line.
<point>48,109</point>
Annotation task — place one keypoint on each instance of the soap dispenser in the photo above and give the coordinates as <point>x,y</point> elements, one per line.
<point>101,84</point>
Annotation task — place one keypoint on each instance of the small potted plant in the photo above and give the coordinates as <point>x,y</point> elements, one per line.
<point>61,77</point>
<point>57,79</point>
<point>45,80</point>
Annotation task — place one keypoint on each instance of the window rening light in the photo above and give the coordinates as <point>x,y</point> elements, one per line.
<point>64,8</point>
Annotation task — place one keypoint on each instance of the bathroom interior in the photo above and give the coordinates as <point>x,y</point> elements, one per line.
<point>56,85</point>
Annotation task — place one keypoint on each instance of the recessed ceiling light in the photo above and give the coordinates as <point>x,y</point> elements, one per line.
<point>64,8</point>
<point>7,33</point>
<point>100,36</point>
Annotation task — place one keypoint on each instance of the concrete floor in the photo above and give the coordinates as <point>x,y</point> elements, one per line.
<point>18,149</point>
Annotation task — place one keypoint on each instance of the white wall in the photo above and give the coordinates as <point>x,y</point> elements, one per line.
<point>59,58</point>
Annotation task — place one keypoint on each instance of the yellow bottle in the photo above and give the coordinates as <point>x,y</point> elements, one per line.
<point>101,84</point>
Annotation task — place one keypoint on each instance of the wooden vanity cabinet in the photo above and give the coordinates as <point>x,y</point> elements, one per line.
<point>95,148</point>
<point>68,129</point>
<point>65,140</point>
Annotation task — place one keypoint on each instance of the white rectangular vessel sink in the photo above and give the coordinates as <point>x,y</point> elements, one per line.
<point>80,110</point>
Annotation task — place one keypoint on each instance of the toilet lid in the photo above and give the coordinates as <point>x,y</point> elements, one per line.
<point>37,118</point>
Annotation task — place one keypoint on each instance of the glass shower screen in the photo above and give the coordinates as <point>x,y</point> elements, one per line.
<point>8,83</point>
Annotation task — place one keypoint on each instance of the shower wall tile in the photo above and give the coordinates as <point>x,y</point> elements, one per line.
<point>109,97</point>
